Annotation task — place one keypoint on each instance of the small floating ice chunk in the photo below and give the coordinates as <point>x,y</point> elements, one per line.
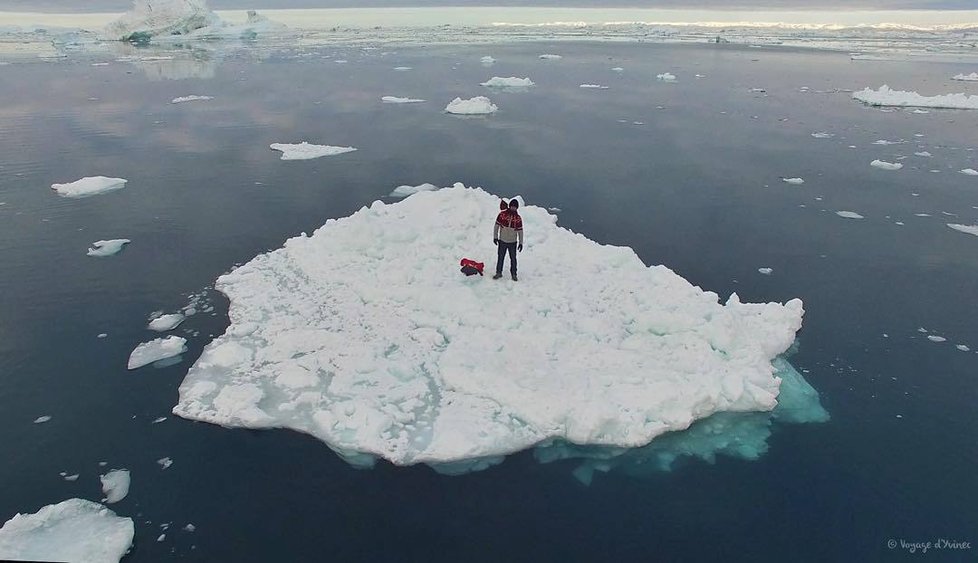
<point>164,323</point>
<point>397,100</point>
<point>89,186</point>
<point>849,214</point>
<point>509,83</point>
<point>970,229</point>
<point>115,485</point>
<point>969,172</point>
<point>73,530</point>
<point>822,135</point>
<point>885,142</point>
<point>165,462</point>
<point>107,247</point>
<point>306,151</point>
<point>159,420</point>
<point>594,86</point>
<point>70,478</point>
<point>479,105</point>
<point>795,181</point>
<point>666,77</point>
<point>42,419</point>
<point>190,98</point>
<point>756,90</point>
<point>924,154</point>
<point>765,271</point>
<point>402,68</point>
<point>962,347</point>
<point>898,98</point>
<point>933,338</point>
<point>618,69</point>
<point>973,77</point>
<point>884,165</point>
<point>189,528</point>
<point>487,60</point>
<point>161,537</point>
<point>550,57</point>
<point>154,350</point>
<point>404,191</point>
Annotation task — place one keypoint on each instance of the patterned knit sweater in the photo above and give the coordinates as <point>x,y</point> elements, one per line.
<point>508,227</point>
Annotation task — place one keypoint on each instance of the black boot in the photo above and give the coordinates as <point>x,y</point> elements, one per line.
<point>497,276</point>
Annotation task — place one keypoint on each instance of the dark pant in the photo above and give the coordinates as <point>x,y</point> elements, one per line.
<point>501,255</point>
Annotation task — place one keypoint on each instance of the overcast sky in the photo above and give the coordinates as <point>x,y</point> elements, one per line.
<point>123,5</point>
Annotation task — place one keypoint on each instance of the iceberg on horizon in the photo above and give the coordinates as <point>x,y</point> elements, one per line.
<point>885,97</point>
<point>150,20</point>
<point>72,530</point>
<point>383,350</point>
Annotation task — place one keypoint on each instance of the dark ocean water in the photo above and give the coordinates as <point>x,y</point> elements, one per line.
<point>695,186</point>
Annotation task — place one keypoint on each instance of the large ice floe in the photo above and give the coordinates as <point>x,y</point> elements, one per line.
<point>74,530</point>
<point>89,186</point>
<point>155,20</point>
<point>511,83</point>
<point>885,97</point>
<point>366,336</point>
<point>306,151</point>
<point>156,350</point>
<point>479,105</point>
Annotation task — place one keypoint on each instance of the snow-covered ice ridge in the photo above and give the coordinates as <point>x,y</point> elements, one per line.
<point>73,530</point>
<point>385,351</point>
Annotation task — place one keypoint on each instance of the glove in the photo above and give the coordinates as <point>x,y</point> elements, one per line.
<point>495,241</point>
<point>520,248</point>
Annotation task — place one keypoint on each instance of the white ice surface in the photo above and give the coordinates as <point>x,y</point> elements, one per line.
<point>115,485</point>
<point>479,105</point>
<point>884,165</point>
<point>969,229</point>
<point>487,60</point>
<point>899,98</point>
<point>89,186</point>
<point>666,77</point>
<point>594,86</point>
<point>190,98</point>
<point>74,530</point>
<point>404,191</point>
<point>508,83</point>
<point>969,172</point>
<point>382,349</point>
<point>151,18</point>
<point>822,135</point>
<point>155,350</point>
<point>398,100</point>
<point>165,462</point>
<point>550,57</point>
<point>795,181</point>
<point>306,151</point>
<point>765,271</point>
<point>42,419</point>
<point>164,323</point>
<point>924,154</point>
<point>849,215</point>
<point>107,247</point>
<point>973,77</point>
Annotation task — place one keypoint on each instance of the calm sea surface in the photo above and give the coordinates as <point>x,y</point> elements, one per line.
<point>687,174</point>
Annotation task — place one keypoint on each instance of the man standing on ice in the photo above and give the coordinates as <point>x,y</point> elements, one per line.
<point>505,234</point>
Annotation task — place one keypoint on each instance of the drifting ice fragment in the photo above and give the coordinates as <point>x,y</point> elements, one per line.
<point>822,135</point>
<point>765,271</point>
<point>933,338</point>
<point>479,105</point>
<point>666,77</point>
<point>549,57</point>
<point>42,419</point>
<point>970,172</point>
<point>849,214</point>
<point>306,151</point>
<point>510,83</point>
<point>404,191</point>
<point>89,186</point>
<point>73,530</point>
<point>970,229</point>
<point>165,462</point>
<point>924,154</point>
<point>397,100</point>
<point>191,98</point>
<point>164,323</point>
<point>396,360</point>
<point>155,350</point>
<point>973,77</point>
<point>115,485</point>
<point>883,165</point>
<point>107,247</point>
<point>487,61</point>
<point>594,86</point>
<point>795,181</point>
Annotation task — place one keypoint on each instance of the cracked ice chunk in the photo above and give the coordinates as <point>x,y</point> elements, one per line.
<point>73,530</point>
<point>383,353</point>
<point>479,105</point>
<point>154,350</point>
<point>306,151</point>
<point>89,186</point>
